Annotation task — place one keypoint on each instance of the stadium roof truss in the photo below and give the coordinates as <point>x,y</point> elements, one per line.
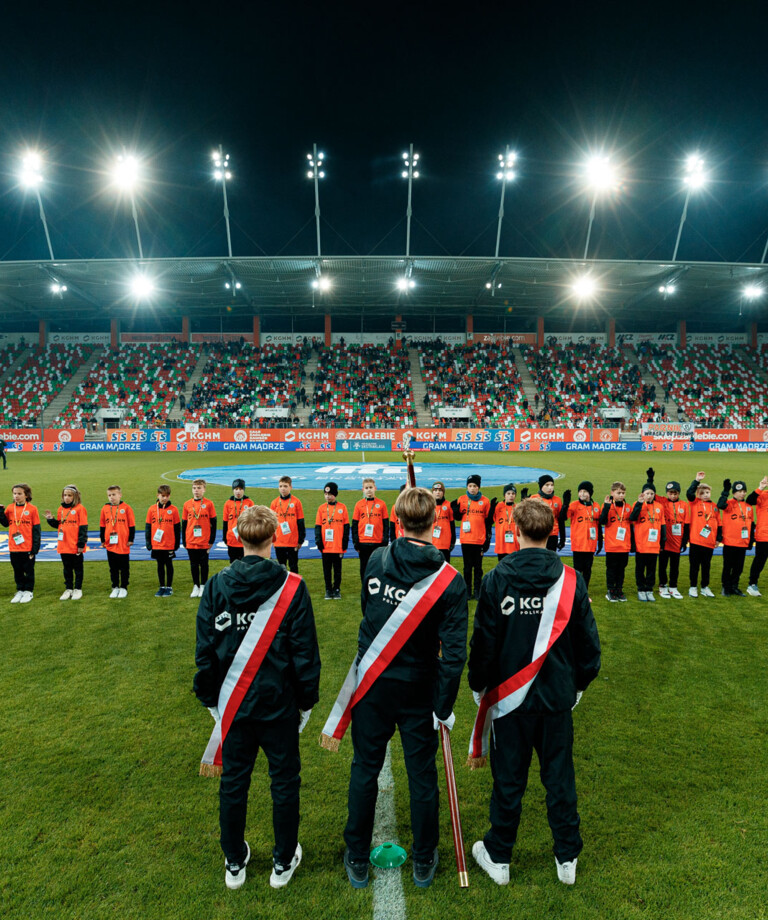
<point>368,285</point>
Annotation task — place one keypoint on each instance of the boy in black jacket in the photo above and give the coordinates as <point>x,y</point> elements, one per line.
<point>515,620</point>
<point>414,694</point>
<point>278,700</point>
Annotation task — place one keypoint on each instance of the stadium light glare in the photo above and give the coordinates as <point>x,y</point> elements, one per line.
<point>126,172</point>
<point>694,178</point>
<point>31,175</point>
<point>753,292</point>
<point>410,159</point>
<point>317,173</point>
<point>142,287</point>
<point>57,288</point>
<point>584,287</point>
<point>322,283</point>
<point>601,174</point>
<point>223,174</point>
<point>667,289</point>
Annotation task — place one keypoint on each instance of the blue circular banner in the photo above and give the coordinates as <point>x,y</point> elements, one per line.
<point>351,475</point>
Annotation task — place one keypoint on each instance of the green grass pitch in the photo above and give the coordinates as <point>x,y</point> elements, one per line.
<point>103,814</point>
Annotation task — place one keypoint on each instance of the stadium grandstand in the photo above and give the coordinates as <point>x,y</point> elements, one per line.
<point>261,342</point>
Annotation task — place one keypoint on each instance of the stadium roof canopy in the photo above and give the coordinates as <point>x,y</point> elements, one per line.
<point>629,291</point>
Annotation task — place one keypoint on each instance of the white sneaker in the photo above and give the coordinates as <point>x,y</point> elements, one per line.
<point>76,594</point>
<point>693,592</point>
<point>707,592</point>
<point>16,597</point>
<point>66,595</point>
<point>234,874</point>
<point>673,592</point>
<point>499,872</point>
<point>649,596</point>
<point>753,591</point>
<point>566,871</point>
<point>115,592</point>
<point>664,591</point>
<point>642,595</point>
<point>281,875</point>
<point>122,592</point>
<point>26,597</point>
<point>194,591</point>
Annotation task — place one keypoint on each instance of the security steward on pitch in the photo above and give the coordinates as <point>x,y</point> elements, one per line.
<point>508,621</point>
<point>415,692</point>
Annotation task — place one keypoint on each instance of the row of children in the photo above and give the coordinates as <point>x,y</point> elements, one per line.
<point>165,530</point>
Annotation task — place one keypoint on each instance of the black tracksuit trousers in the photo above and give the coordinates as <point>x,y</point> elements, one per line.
<point>615,565</point>
<point>733,566</point>
<point>119,569</point>
<point>394,704</point>
<point>365,551</point>
<point>289,557</point>
<point>473,566</point>
<point>23,571</point>
<point>758,564</point>
<point>514,738</point>
<point>279,739</point>
<point>582,562</point>
<point>674,568</point>
<point>645,570</point>
<point>700,558</point>
<point>332,571</point>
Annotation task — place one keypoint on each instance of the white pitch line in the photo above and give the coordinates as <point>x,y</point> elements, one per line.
<point>388,895</point>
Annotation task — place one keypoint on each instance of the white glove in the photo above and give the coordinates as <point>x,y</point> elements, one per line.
<point>214,711</point>
<point>304,715</point>
<point>448,723</point>
<point>579,694</point>
<point>477,696</point>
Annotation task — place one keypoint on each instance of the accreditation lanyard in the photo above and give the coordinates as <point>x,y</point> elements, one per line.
<point>237,510</point>
<point>114,516</point>
<point>283,509</point>
<point>651,516</point>
<point>16,519</point>
<point>368,512</point>
<point>159,519</point>
<point>742,511</point>
<point>329,520</point>
<point>196,514</point>
<point>509,519</point>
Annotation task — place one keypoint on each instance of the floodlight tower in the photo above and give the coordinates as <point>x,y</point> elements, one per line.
<point>125,174</point>
<point>222,174</point>
<point>410,160</point>
<point>31,177</point>
<point>505,174</point>
<point>694,178</point>
<point>601,177</point>
<point>749,293</point>
<point>317,173</point>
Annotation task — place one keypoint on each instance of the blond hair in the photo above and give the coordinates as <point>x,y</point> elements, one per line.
<point>415,508</point>
<point>534,519</point>
<point>368,479</point>
<point>256,525</point>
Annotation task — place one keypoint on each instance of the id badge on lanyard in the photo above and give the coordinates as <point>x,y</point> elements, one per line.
<point>18,539</point>
<point>285,528</point>
<point>705,531</point>
<point>329,535</point>
<point>466,527</point>
<point>436,532</point>
<point>653,535</point>
<point>197,531</point>
<point>158,535</point>
<point>621,533</point>
<point>509,537</point>
<point>368,531</point>
<point>113,539</point>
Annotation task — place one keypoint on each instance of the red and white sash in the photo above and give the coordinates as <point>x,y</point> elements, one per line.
<point>400,626</point>
<point>245,665</point>
<point>509,695</point>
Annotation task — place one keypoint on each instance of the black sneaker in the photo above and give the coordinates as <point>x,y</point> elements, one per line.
<point>357,871</point>
<point>337,594</point>
<point>621,596</point>
<point>737,592</point>
<point>329,595</point>
<point>234,875</point>
<point>424,872</point>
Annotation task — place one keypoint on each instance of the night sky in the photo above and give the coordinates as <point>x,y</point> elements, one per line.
<point>647,84</point>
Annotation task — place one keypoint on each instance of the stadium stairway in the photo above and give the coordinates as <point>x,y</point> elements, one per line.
<point>748,356</point>
<point>423,416</point>
<point>9,371</point>
<point>529,384</point>
<point>309,385</point>
<point>670,407</point>
<point>174,412</point>
<point>65,394</point>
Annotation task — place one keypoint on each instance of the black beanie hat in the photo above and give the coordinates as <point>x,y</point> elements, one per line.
<point>649,485</point>
<point>474,478</point>
<point>238,483</point>
<point>739,486</point>
<point>509,487</point>
<point>331,487</point>
<point>545,478</point>
<point>587,486</point>
<point>673,486</point>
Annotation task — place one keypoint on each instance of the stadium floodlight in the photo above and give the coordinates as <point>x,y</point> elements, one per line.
<point>57,288</point>
<point>31,177</point>
<point>667,289</point>
<point>505,174</point>
<point>232,287</point>
<point>584,287</point>
<point>600,176</point>
<point>142,287</point>
<point>752,292</point>
<point>410,161</point>
<point>222,173</point>
<point>405,284</point>
<point>694,178</point>
<point>126,172</point>
<point>316,172</point>
<point>323,283</point>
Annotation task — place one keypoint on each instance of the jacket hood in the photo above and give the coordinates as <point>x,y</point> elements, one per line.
<point>252,578</point>
<point>534,569</point>
<point>406,555</point>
